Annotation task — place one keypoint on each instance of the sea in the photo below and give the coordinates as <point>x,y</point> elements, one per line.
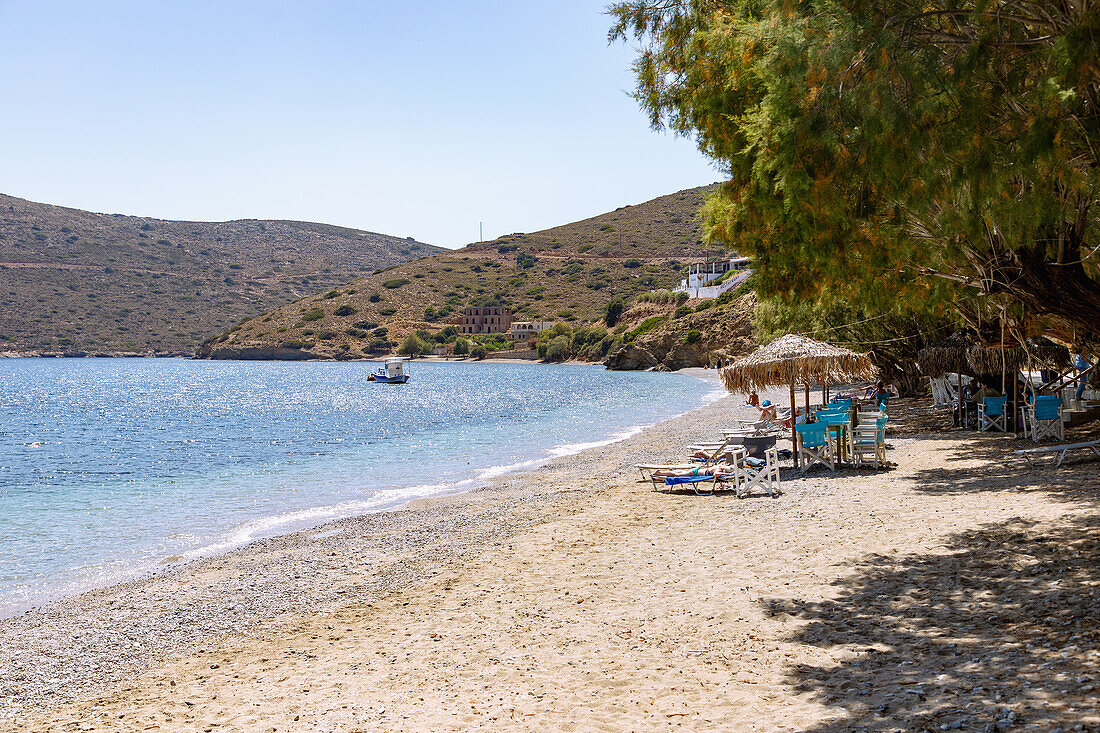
<point>111,469</point>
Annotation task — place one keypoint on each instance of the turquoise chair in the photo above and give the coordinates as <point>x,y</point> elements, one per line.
<point>991,414</point>
<point>1046,418</point>
<point>814,446</point>
<point>832,419</point>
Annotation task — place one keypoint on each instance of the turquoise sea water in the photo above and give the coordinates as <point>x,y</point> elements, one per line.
<point>109,468</point>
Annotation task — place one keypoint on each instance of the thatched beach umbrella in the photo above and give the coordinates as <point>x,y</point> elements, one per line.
<point>791,360</point>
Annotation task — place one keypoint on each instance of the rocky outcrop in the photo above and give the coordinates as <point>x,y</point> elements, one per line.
<point>711,337</point>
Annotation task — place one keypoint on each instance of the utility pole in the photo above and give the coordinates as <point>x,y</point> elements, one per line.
<point>481,231</point>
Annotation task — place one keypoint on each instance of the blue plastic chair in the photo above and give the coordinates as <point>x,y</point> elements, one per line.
<point>991,414</point>
<point>814,446</point>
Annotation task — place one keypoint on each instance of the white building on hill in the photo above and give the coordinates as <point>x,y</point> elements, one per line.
<point>702,274</point>
<point>524,330</point>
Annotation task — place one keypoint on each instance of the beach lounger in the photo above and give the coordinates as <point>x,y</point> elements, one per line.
<point>1058,452</point>
<point>650,471</point>
<point>697,480</point>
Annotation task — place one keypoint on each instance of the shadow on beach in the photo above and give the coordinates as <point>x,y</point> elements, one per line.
<point>998,631</point>
<point>987,463</point>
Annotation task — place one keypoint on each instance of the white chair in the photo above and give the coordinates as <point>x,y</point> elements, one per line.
<point>869,438</point>
<point>765,474</point>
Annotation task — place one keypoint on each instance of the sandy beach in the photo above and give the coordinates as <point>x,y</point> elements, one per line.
<point>956,589</point>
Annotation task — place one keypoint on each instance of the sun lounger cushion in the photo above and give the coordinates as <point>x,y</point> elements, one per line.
<point>676,480</point>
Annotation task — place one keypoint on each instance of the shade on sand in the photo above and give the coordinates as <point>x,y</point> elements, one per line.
<point>792,360</point>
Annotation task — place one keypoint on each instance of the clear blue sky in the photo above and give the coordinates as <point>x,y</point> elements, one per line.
<point>410,118</point>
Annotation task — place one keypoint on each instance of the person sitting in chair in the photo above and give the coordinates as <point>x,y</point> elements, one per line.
<point>987,390</point>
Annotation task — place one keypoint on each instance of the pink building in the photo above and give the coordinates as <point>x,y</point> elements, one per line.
<point>490,319</point>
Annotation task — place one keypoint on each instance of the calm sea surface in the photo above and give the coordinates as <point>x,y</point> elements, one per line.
<point>109,468</point>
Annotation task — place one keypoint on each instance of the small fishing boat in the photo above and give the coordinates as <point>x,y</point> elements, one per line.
<point>393,372</point>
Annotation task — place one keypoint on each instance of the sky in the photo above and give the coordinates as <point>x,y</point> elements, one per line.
<point>419,119</point>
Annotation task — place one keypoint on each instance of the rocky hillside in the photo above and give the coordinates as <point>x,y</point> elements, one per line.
<point>77,281</point>
<point>568,273</point>
<point>697,333</point>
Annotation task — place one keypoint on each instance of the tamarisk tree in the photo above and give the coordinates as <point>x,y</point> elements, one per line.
<point>892,150</point>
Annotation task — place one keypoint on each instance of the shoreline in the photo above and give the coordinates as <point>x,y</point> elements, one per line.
<point>950,588</point>
<point>96,605</point>
<point>481,478</point>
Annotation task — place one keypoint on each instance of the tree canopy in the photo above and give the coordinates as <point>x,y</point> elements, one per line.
<point>923,152</point>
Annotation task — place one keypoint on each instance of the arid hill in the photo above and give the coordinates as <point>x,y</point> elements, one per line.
<point>77,281</point>
<point>567,273</point>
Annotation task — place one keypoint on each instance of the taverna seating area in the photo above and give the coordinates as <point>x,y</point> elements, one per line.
<point>1015,397</point>
<point>846,432</point>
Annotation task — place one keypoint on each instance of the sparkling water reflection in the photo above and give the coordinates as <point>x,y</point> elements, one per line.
<point>110,468</point>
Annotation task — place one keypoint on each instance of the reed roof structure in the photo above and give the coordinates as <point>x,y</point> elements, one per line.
<point>793,360</point>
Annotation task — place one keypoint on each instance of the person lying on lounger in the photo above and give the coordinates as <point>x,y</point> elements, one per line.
<point>704,455</point>
<point>721,471</point>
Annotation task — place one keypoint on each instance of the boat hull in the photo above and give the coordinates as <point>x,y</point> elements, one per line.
<point>391,380</point>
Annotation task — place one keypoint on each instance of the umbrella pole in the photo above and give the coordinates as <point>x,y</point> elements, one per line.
<point>807,398</point>
<point>794,438</point>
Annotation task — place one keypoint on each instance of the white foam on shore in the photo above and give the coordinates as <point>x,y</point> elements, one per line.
<point>393,499</point>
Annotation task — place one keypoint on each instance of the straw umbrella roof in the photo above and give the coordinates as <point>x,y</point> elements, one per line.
<point>794,359</point>
<point>935,361</point>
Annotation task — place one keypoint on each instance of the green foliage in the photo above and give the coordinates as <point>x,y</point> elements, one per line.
<point>705,305</point>
<point>344,310</point>
<point>329,295</point>
<point>693,336</point>
<point>679,297</point>
<point>632,263</point>
<point>430,314</point>
<point>396,283</point>
<point>386,311</point>
<point>526,261</point>
<point>682,311</point>
<point>412,345</point>
<point>381,332</point>
<point>478,351</point>
<point>315,314</point>
<point>644,327</point>
<point>365,325</point>
<point>727,297</point>
<point>506,248</point>
<point>613,311</point>
<point>462,347</point>
<point>374,298</point>
<point>378,345</point>
<point>896,155</point>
